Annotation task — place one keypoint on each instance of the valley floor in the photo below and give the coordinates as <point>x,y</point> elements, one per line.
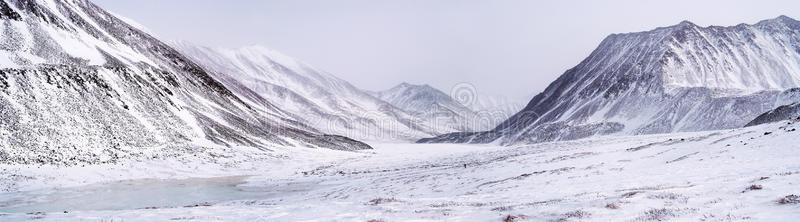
<point>745,174</point>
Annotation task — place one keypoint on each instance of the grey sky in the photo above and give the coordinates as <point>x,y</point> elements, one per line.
<point>503,47</point>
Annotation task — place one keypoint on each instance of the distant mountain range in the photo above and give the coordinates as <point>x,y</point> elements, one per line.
<point>406,112</point>
<point>435,106</point>
<point>671,79</point>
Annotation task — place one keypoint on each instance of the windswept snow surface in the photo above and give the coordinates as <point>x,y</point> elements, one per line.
<point>730,175</point>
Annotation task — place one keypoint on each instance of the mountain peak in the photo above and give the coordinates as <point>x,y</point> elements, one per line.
<point>426,102</point>
<point>778,21</point>
<point>406,85</point>
<point>785,18</point>
<point>686,23</point>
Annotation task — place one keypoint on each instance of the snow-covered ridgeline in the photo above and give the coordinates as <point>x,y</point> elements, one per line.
<point>439,108</point>
<point>78,84</point>
<point>671,79</point>
<point>309,95</point>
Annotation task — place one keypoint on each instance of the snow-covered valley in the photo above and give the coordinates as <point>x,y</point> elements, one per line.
<point>747,174</point>
<point>100,120</point>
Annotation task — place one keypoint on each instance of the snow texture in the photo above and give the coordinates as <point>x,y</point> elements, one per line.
<point>746,174</point>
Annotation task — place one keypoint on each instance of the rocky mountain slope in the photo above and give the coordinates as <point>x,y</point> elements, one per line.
<point>435,106</point>
<point>309,95</point>
<point>785,112</point>
<point>788,107</point>
<point>671,79</point>
<point>78,84</point>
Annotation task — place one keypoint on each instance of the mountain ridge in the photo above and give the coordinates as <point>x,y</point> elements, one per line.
<point>82,86</point>
<point>658,81</point>
<point>429,103</point>
<point>312,96</point>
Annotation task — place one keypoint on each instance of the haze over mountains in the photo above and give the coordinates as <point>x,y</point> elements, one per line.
<point>428,103</point>
<point>318,98</point>
<point>671,79</point>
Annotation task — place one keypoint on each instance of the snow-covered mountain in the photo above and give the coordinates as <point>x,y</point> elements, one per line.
<point>435,106</point>
<point>78,84</point>
<point>671,79</point>
<point>311,96</point>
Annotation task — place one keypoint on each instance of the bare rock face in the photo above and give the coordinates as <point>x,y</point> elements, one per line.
<point>672,79</point>
<point>78,84</point>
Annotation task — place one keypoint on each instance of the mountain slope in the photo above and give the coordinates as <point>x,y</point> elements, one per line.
<point>672,79</point>
<point>785,112</point>
<point>788,107</point>
<point>309,95</point>
<point>434,106</point>
<point>80,85</point>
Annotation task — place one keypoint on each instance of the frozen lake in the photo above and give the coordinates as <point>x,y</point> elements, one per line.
<point>132,194</point>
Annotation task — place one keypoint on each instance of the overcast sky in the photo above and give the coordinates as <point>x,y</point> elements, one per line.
<point>503,47</point>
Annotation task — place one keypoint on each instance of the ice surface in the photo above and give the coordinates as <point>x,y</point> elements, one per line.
<point>131,194</point>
